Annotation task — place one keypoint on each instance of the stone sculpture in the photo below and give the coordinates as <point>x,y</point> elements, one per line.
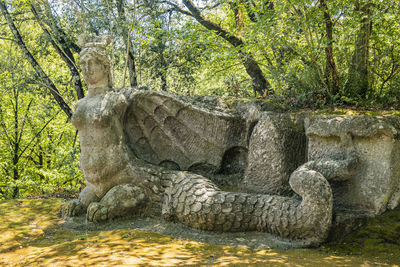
<point>375,186</point>
<point>149,153</point>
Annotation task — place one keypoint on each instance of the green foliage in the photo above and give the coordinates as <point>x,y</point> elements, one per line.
<point>37,154</point>
<point>174,52</point>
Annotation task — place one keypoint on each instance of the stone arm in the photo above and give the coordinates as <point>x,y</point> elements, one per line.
<point>114,102</point>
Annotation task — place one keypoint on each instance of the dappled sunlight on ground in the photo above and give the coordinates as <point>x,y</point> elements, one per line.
<point>30,235</point>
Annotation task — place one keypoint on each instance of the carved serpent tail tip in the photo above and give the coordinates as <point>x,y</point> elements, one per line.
<point>195,201</point>
<point>315,210</point>
<point>311,185</point>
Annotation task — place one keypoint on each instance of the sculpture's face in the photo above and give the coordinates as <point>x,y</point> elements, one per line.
<point>94,71</point>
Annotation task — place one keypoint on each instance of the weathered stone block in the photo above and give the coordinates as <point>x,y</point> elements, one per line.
<point>276,149</point>
<point>376,142</point>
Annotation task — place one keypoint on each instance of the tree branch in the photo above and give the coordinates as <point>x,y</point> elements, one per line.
<point>177,8</point>
<point>330,61</point>
<point>260,84</point>
<point>65,54</point>
<point>37,134</point>
<point>62,37</point>
<point>39,71</point>
<point>232,39</point>
<point>8,39</point>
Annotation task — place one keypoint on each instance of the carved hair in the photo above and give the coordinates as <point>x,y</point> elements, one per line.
<point>96,48</point>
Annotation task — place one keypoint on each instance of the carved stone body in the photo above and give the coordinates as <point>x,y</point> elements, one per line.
<point>149,153</point>
<point>120,184</point>
<point>106,160</point>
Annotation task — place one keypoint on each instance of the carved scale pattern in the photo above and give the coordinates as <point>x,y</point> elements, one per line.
<point>195,201</point>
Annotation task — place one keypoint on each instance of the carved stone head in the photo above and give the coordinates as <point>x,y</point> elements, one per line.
<point>95,64</point>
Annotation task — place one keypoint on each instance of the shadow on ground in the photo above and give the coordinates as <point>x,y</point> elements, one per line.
<point>30,234</point>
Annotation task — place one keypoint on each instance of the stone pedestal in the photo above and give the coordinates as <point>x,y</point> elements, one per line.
<point>376,142</point>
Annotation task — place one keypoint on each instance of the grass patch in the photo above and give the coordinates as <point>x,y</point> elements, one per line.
<point>31,235</point>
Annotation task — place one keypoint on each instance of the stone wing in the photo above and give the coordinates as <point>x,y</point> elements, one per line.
<point>173,133</point>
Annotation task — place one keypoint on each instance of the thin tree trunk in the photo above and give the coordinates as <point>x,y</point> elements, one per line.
<point>15,178</point>
<point>65,53</point>
<point>358,80</point>
<point>128,44</point>
<point>62,37</point>
<point>39,71</point>
<point>330,61</point>
<point>67,45</point>
<point>40,162</point>
<point>132,68</point>
<point>163,67</point>
<point>16,144</point>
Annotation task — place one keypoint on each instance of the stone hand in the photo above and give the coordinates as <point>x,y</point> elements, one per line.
<point>75,208</point>
<point>97,212</point>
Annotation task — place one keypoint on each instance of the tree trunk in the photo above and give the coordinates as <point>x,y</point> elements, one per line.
<point>40,162</point>
<point>67,45</point>
<point>128,44</point>
<point>163,67</point>
<point>35,65</point>
<point>15,193</point>
<point>330,61</point>
<point>132,68</point>
<point>358,83</point>
<point>163,77</point>
<point>65,53</point>
<point>260,84</point>
<point>62,37</point>
<point>16,140</point>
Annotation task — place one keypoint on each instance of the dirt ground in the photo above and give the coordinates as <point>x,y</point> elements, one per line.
<point>31,234</point>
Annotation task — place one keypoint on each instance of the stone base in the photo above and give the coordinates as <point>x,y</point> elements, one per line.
<point>347,221</point>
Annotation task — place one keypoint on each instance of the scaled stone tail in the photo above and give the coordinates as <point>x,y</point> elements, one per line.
<point>195,201</point>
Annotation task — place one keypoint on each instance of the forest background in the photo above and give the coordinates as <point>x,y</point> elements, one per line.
<point>297,54</point>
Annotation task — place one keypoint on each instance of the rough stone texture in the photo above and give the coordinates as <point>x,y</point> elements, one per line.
<point>276,149</point>
<point>166,131</point>
<point>374,186</point>
<point>346,221</point>
<point>193,200</point>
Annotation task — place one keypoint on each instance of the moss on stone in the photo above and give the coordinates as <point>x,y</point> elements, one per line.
<point>379,238</point>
